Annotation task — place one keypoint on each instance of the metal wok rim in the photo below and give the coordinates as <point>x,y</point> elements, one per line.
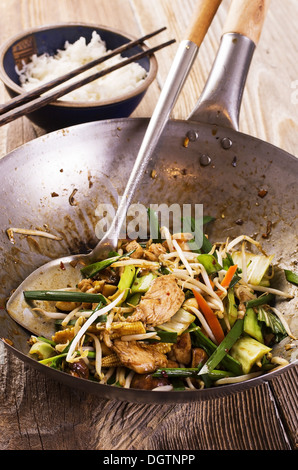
<point>146,396</point>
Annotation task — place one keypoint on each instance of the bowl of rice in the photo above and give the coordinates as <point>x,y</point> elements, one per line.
<point>39,55</point>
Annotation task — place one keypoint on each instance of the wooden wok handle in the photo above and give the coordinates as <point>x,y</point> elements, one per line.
<point>247,17</point>
<point>203,16</point>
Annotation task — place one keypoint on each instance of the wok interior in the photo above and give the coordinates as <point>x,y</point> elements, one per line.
<point>56,182</point>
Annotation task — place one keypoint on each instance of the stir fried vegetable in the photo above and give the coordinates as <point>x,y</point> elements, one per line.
<point>167,315</point>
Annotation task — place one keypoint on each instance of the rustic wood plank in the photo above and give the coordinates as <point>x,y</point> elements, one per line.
<point>285,392</point>
<point>41,414</point>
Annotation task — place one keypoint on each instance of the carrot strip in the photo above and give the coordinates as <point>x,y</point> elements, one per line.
<point>229,276</point>
<point>210,316</point>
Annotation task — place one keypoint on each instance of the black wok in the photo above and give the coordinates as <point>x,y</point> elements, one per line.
<point>57,181</point>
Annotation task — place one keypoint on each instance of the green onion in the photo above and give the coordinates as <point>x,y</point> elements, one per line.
<point>228,261</point>
<point>92,269</point>
<point>154,226</point>
<point>165,337</point>
<point>64,296</point>
<point>176,372</point>
<point>52,359</point>
<point>177,384</point>
<point>191,225</point>
<point>193,372</point>
<point>46,340</point>
<point>262,300</point>
<point>291,277</point>
<point>219,374</point>
<point>228,362</point>
<point>221,351</point>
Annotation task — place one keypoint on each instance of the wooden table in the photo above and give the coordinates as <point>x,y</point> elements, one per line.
<point>40,414</point>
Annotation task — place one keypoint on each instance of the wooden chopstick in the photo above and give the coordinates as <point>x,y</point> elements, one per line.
<point>32,100</point>
<point>27,96</point>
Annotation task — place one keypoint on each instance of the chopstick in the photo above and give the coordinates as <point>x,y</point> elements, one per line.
<point>32,100</point>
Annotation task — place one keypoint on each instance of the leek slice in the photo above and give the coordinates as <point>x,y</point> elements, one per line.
<point>256,265</point>
<point>125,282</point>
<point>232,308</point>
<point>141,284</point>
<point>179,322</point>
<point>43,350</point>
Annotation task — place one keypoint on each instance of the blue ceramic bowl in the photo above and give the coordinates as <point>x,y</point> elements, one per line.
<point>49,39</point>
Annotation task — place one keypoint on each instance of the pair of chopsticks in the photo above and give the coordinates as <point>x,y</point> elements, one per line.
<point>32,100</point>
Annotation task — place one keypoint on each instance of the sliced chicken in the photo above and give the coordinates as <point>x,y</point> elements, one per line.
<point>140,357</point>
<point>160,303</point>
<point>134,245</point>
<point>181,351</point>
<point>154,251</point>
<point>147,382</point>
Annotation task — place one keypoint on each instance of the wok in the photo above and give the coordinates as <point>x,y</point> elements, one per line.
<point>74,170</point>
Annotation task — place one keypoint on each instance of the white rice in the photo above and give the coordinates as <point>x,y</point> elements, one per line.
<point>45,68</point>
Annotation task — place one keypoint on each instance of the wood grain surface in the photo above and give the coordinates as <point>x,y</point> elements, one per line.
<point>40,414</point>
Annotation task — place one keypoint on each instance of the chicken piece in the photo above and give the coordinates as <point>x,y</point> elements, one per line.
<point>147,382</point>
<point>140,357</point>
<point>91,287</point>
<point>199,356</point>
<point>172,364</point>
<point>134,245</point>
<point>85,284</point>
<point>160,303</point>
<point>154,251</point>
<point>181,351</point>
